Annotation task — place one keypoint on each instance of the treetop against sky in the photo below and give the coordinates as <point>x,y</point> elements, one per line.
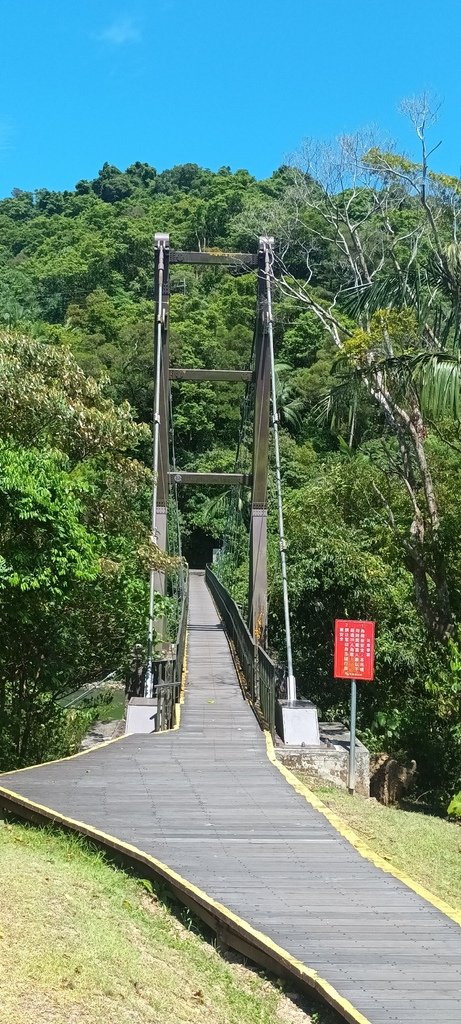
<point>230,83</point>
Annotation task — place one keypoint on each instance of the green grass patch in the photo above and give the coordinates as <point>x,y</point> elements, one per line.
<point>107,703</point>
<point>83,941</point>
<point>112,708</point>
<point>426,847</point>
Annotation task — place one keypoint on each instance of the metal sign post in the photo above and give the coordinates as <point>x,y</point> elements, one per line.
<point>354,658</point>
<point>351,776</point>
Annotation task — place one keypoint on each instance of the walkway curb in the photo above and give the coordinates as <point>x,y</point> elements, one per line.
<point>231,929</point>
<point>372,943</point>
<point>359,844</point>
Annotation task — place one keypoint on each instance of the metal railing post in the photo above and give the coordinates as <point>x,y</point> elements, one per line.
<point>256,686</point>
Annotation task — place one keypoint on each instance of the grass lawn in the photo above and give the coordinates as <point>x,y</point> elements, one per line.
<point>115,709</point>
<point>425,847</point>
<point>109,701</point>
<point>84,942</point>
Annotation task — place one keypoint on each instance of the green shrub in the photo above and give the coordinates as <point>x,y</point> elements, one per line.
<point>454,807</point>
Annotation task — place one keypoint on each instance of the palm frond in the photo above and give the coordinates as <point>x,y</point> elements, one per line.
<point>290,403</point>
<point>426,298</point>
<point>383,293</point>
<point>438,378</point>
<point>282,368</point>
<point>338,406</point>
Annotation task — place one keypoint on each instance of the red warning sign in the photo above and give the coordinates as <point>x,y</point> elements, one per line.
<point>354,649</point>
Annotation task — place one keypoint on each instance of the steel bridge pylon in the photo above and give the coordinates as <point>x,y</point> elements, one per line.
<point>260,377</point>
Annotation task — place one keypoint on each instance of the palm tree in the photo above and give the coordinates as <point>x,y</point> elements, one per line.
<point>289,402</point>
<point>395,320</point>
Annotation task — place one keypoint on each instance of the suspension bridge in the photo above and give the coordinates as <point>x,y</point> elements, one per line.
<point>197,797</point>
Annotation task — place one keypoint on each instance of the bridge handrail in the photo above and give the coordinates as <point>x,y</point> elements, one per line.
<point>169,688</point>
<point>182,626</point>
<point>258,670</point>
<point>267,679</point>
<point>167,666</point>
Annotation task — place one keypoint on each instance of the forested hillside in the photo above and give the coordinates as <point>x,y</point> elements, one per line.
<point>368,306</point>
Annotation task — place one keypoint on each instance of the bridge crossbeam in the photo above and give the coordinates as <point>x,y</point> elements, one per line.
<point>211,479</point>
<point>242,260</point>
<point>189,373</point>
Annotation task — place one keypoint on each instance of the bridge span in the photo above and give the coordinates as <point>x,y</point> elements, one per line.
<point>204,808</point>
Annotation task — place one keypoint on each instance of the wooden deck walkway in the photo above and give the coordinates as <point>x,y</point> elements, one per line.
<point>206,801</point>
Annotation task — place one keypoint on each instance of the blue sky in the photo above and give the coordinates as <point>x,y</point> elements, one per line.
<point>216,82</point>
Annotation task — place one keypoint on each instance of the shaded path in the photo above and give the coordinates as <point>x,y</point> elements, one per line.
<point>206,801</point>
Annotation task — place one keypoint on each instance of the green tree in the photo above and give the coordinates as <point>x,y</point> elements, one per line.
<point>74,551</point>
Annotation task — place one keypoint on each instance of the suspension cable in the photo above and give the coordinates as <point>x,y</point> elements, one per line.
<point>235,502</point>
<point>149,682</point>
<point>268,272</point>
<point>178,538</point>
<point>173,465</point>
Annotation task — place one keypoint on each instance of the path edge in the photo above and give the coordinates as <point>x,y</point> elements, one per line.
<point>231,929</point>
<point>354,839</point>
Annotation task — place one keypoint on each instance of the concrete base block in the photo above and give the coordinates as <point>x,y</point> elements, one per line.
<point>329,762</point>
<point>297,723</point>
<point>141,715</point>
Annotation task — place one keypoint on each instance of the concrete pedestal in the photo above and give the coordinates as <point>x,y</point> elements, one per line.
<point>329,762</point>
<point>141,714</point>
<point>297,723</point>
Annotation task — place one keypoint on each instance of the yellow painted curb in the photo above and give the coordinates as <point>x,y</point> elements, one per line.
<point>336,821</point>
<point>359,844</point>
<point>280,957</point>
<point>220,914</point>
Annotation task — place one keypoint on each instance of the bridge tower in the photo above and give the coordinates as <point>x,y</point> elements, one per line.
<point>165,257</point>
<point>297,719</point>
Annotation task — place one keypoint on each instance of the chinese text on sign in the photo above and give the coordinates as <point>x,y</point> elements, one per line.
<point>354,649</point>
